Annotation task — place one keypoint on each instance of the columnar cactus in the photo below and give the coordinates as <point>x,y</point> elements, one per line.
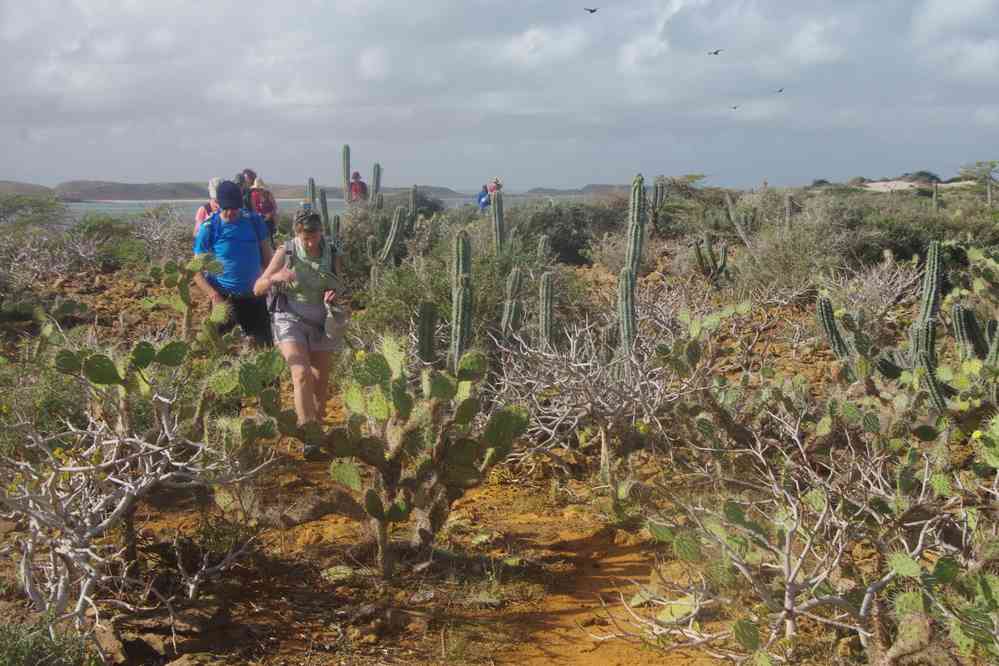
<point>936,197</point>
<point>461,319</point>
<point>345,161</point>
<point>461,298</point>
<point>324,210</point>
<point>970,340</point>
<point>334,228</point>
<point>426,332</point>
<point>376,181</point>
<point>626,308</point>
<point>929,303</point>
<point>827,322</point>
<point>461,257</point>
<point>513,309</point>
<point>499,226</point>
<point>712,266</point>
<point>544,247</point>
<point>788,209</point>
<point>371,250</point>
<point>659,190</point>
<point>310,193</point>
<point>379,201</point>
<point>545,310</point>
<point>636,224</point>
<point>393,236</point>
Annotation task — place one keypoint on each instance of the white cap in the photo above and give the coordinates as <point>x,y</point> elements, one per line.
<point>213,187</point>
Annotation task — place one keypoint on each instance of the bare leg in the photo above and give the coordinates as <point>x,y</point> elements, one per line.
<point>321,362</point>
<point>302,380</point>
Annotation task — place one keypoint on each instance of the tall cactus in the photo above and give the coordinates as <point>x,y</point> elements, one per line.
<point>376,181</point>
<point>936,197</point>
<point>371,250</point>
<point>324,210</point>
<point>970,340</point>
<point>345,160</point>
<point>827,322</point>
<point>513,309</point>
<point>636,224</point>
<point>461,257</point>
<point>411,220</point>
<point>461,320</point>
<point>626,308</point>
<point>394,233</point>
<point>461,298</point>
<point>544,247</point>
<point>310,193</point>
<point>545,310</point>
<point>426,330</point>
<point>499,225</point>
<point>334,228</point>
<point>379,200</point>
<point>712,266</point>
<point>929,303</point>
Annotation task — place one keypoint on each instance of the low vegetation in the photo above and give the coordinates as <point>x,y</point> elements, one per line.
<point>787,397</point>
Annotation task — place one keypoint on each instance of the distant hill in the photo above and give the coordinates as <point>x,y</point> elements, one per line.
<point>14,187</point>
<point>95,190</point>
<point>586,189</point>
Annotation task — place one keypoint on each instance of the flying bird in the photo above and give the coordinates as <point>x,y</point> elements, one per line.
<point>715,52</point>
<point>592,11</point>
<point>780,90</point>
<point>735,107</point>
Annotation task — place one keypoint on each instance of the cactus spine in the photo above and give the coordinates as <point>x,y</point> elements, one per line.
<point>310,193</point>
<point>499,228</point>
<point>626,308</point>
<point>513,310</point>
<point>636,224</point>
<point>545,310</point>
<point>388,250</point>
<point>345,159</point>
<point>461,299</point>
<point>426,329</point>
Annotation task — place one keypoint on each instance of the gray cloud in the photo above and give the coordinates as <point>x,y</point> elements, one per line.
<point>451,92</point>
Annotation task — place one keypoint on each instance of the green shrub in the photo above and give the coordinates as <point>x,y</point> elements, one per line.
<point>31,645</point>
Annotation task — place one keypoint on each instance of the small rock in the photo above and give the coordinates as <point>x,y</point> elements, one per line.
<point>624,538</point>
<point>110,644</point>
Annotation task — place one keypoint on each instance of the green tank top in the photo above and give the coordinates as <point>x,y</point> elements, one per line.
<point>314,275</point>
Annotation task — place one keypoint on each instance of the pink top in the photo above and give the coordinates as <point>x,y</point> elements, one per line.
<point>203,214</point>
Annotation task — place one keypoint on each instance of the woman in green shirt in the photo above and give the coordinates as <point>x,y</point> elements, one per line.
<point>310,314</point>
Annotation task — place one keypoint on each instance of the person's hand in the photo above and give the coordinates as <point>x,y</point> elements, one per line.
<point>329,296</point>
<point>283,275</point>
<point>216,298</point>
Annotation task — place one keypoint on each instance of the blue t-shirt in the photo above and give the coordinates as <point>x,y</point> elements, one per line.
<point>237,247</point>
<point>483,200</point>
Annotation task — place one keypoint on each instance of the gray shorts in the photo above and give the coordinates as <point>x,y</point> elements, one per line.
<point>290,328</point>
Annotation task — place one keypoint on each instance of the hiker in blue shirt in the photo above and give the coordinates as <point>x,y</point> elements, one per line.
<point>240,241</point>
<point>483,199</point>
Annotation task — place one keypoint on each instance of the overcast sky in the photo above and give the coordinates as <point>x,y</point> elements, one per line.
<point>450,92</point>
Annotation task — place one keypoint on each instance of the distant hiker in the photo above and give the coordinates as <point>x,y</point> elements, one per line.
<point>212,205</point>
<point>484,199</point>
<point>264,205</point>
<point>249,176</point>
<point>358,189</point>
<point>238,239</point>
<point>309,309</point>
<point>495,185</point>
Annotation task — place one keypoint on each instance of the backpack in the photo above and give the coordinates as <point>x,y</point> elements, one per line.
<point>277,299</point>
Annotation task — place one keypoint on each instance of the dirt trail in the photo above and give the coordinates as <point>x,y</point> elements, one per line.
<point>598,562</point>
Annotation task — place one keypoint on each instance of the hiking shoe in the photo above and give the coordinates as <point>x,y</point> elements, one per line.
<point>312,453</point>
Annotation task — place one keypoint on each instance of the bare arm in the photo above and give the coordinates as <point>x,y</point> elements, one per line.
<point>206,287</point>
<point>266,254</point>
<point>273,273</point>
